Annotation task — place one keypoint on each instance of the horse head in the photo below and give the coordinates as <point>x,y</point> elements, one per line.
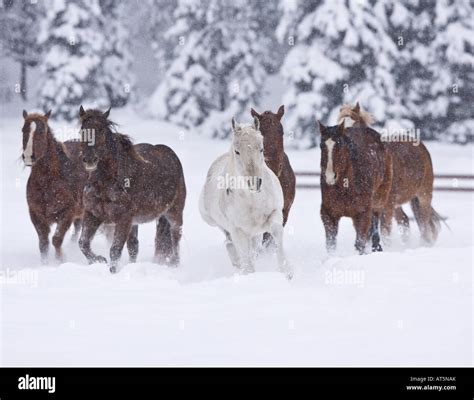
<point>35,137</point>
<point>335,152</point>
<point>272,131</point>
<point>247,153</point>
<point>96,125</point>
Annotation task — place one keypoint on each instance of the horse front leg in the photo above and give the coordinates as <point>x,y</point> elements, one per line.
<point>42,229</point>
<point>331,226</point>
<point>61,228</point>
<point>283,264</point>
<point>362,223</point>
<point>243,246</point>
<point>90,224</point>
<point>122,231</point>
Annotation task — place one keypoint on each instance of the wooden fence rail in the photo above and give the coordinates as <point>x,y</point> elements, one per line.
<point>456,179</point>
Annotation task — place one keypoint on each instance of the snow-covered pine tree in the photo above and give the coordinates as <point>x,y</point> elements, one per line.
<point>116,76</point>
<point>338,53</point>
<point>433,68</point>
<point>19,23</point>
<point>451,64</point>
<point>222,55</point>
<point>85,60</point>
<point>74,43</point>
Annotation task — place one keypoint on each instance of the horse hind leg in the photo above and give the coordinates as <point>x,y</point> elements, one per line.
<point>423,214</point>
<point>77,229</point>
<point>403,223</point>
<point>132,244</point>
<point>374,232</point>
<point>163,242</point>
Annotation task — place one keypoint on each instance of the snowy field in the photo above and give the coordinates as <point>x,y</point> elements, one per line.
<point>409,305</point>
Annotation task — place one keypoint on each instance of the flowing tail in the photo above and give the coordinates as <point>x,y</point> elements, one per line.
<point>428,220</point>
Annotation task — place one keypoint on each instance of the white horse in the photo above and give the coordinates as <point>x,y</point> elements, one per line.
<point>243,197</point>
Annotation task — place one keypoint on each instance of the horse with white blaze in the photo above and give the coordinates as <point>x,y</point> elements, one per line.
<point>243,197</point>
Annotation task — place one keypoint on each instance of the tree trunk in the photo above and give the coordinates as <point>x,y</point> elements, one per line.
<point>23,81</point>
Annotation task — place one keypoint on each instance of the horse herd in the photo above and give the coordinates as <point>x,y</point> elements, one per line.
<point>114,184</point>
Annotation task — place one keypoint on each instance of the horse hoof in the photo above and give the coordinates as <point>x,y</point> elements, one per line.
<point>377,248</point>
<point>113,270</point>
<point>101,259</point>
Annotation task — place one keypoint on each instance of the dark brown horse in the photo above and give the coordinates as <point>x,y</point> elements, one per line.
<point>130,184</point>
<point>54,188</point>
<point>356,177</point>
<point>276,158</point>
<point>412,181</point>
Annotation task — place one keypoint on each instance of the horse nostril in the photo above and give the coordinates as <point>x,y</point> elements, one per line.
<point>22,156</point>
<point>33,158</point>
<point>84,160</point>
<point>96,159</point>
<point>259,183</point>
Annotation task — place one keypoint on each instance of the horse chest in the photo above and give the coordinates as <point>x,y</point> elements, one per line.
<point>108,203</point>
<point>342,201</point>
<point>248,211</point>
<point>50,198</point>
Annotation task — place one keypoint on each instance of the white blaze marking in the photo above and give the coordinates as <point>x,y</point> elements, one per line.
<point>330,175</point>
<point>28,152</point>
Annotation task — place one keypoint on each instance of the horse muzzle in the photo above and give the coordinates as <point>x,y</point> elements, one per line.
<point>90,166</point>
<point>255,185</point>
<point>28,161</point>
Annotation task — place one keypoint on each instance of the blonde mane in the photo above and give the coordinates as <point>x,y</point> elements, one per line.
<point>356,114</point>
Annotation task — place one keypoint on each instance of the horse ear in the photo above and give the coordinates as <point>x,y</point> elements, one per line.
<point>256,123</point>
<point>281,111</point>
<point>322,128</point>
<point>254,113</point>
<point>48,114</point>
<point>356,108</point>
<point>25,114</point>
<point>81,111</point>
<point>106,114</point>
<point>233,123</point>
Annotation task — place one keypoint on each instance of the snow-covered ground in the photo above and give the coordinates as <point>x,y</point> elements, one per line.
<point>409,305</point>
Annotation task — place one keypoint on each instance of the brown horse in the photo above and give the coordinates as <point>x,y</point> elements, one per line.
<point>54,188</point>
<point>276,158</point>
<point>412,181</point>
<point>356,177</point>
<point>130,184</point>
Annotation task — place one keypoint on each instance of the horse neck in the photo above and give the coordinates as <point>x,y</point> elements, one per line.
<point>50,164</point>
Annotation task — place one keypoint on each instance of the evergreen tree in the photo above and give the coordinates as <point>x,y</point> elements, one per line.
<point>19,23</point>
<point>339,53</point>
<point>86,61</point>
<point>222,57</point>
<point>116,68</point>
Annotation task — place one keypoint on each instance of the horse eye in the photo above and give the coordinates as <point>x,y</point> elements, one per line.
<point>236,152</point>
<point>261,151</point>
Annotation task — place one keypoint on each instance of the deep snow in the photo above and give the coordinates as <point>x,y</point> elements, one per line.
<point>409,305</point>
